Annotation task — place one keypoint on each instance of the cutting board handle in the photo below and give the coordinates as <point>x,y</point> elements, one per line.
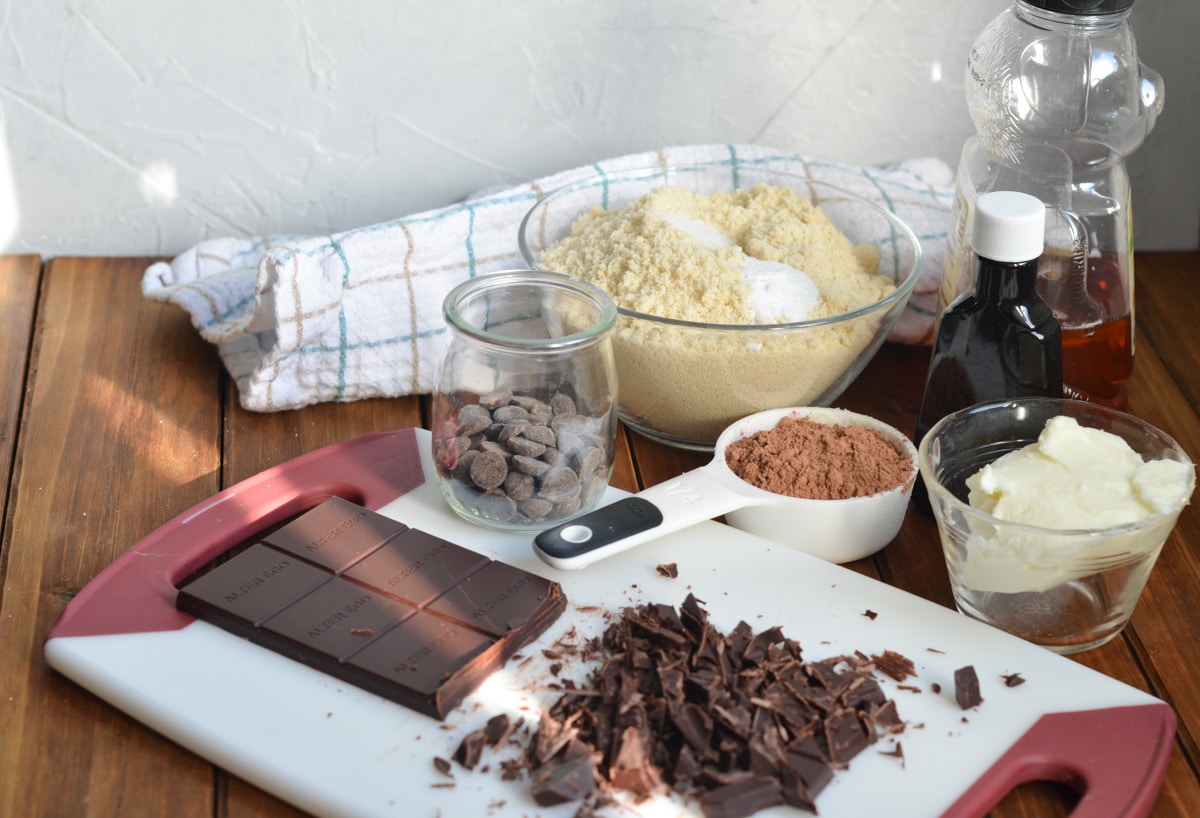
<point>1107,755</point>
<point>136,593</point>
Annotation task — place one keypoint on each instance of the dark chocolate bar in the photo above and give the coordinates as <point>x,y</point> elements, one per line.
<point>391,609</point>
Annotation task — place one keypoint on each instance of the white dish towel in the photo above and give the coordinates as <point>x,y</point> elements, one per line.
<point>299,320</point>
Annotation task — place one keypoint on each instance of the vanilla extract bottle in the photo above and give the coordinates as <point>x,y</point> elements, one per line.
<point>998,339</point>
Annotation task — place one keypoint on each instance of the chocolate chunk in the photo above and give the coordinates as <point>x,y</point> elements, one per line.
<point>498,729</point>
<point>347,591</point>
<point>741,798</point>
<point>570,777</point>
<point>670,570</point>
<point>966,688</point>
<point>470,749</point>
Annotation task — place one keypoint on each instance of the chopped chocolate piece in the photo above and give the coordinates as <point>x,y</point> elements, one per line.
<point>886,719</point>
<point>895,665</point>
<point>1013,679</point>
<point>498,729</point>
<point>552,736</point>
<point>741,798</point>
<point>570,777</point>
<point>344,590</point>
<point>670,570</point>
<point>966,688</point>
<point>738,721</point>
<point>869,614</point>
<point>470,749</point>
<point>443,766</point>
<point>845,736</point>
<point>631,769</point>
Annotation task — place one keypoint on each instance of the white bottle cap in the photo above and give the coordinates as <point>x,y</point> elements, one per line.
<point>1009,226</point>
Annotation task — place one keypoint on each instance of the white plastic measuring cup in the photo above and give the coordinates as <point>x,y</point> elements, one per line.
<point>835,530</point>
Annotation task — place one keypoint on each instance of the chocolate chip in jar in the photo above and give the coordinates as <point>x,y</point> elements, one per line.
<point>527,357</point>
<point>519,460</point>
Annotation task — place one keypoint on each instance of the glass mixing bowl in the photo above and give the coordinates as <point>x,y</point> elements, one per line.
<point>682,382</point>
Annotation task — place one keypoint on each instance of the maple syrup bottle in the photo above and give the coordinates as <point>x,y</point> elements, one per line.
<point>998,339</point>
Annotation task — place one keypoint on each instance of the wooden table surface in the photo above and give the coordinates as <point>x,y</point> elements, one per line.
<point>115,417</point>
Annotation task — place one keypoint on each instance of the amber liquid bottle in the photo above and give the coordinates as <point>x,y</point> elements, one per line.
<point>999,339</point>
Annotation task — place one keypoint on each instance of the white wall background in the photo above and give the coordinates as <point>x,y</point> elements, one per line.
<point>133,128</point>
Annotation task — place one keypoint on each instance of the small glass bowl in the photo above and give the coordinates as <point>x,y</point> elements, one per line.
<point>524,427</point>
<point>683,382</point>
<point>1066,590</point>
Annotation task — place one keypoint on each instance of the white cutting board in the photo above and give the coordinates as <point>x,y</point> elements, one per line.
<point>334,750</point>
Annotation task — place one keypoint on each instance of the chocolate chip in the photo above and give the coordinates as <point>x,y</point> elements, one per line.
<point>494,400</point>
<point>540,434</point>
<point>563,404</point>
<point>559,485</point>
<point>525,447</point>
<point>489,470</point>
<point>519,486</point>
<point>507,413</point>
<point>473,419</point>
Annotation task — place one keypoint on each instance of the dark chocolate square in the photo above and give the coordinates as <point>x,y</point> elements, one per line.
<point>421,653</point>
<point>250,587</point>
<point>416,567</point>
<point>495,599</point>
<point>335,534</point>
<point>337,618</point>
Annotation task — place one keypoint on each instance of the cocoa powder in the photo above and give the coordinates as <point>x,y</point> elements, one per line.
<point>819,461</point>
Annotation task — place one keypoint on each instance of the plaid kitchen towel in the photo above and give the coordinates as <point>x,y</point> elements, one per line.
<point>299,320</point>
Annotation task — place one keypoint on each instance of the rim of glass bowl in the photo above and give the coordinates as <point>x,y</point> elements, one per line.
<point>926,469</point>
<point>900,229</point>
<point>503,278</point>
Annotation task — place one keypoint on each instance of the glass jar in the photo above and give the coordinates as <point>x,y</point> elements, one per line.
<point>524,421</point>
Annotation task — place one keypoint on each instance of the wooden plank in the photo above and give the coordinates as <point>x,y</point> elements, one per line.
<point>19,277</point>
<point>119,433</point>
<point>1168,305</point>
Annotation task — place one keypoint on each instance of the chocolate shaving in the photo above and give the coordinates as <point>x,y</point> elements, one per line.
<point>1013,679</point>
<point>670,570</point>
<point>894,665</point>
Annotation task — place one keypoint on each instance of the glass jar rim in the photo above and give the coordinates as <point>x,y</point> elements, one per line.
<point>606,308</point>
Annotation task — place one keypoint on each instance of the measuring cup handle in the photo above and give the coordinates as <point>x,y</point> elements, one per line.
<point>692,497</point>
